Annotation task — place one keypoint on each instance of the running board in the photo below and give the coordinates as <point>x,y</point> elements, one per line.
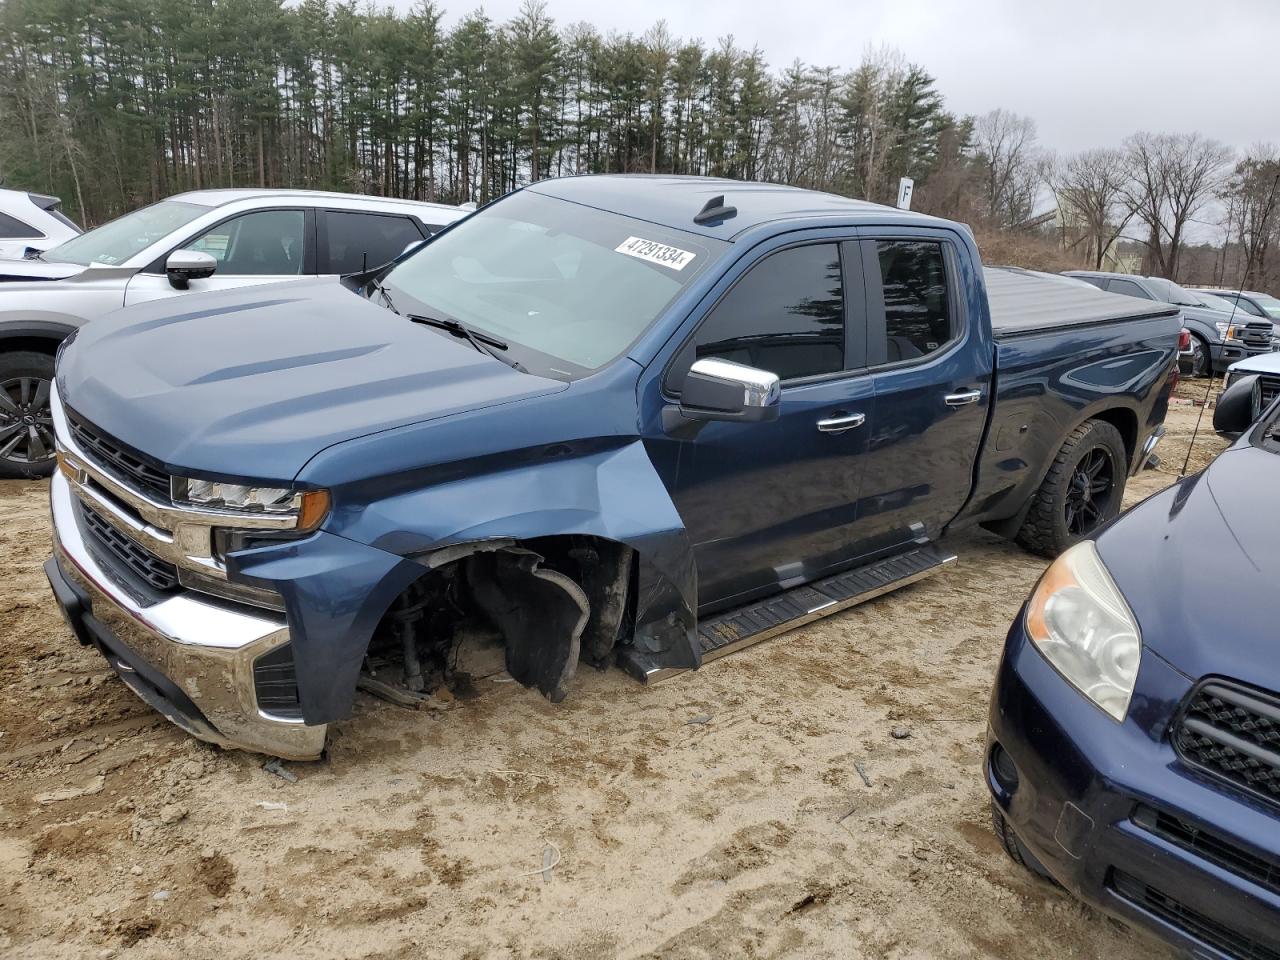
<point>734,630</point>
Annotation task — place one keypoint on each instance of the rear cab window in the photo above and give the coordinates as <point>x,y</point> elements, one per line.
<point>911,307</point>
<point>1128,288</point>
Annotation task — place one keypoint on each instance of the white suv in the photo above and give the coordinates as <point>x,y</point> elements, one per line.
<point>31,221</point>
<point>191,243</point>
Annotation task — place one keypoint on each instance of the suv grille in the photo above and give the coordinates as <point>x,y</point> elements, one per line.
<point>1257,335</point>
<point>158,573</point>
<point>122,461</point>
<point>1209,846</point>
<point>1191,922</point>
<point>1233,733</point>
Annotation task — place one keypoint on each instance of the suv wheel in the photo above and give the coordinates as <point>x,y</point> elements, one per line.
<point>26,420</point>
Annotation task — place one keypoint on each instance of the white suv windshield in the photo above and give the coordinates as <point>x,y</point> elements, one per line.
<point>567,286</point>
<point>115,242</point>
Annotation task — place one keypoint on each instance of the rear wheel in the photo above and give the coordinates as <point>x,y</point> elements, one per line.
<point>26,420</point>
<point>1082,490</point>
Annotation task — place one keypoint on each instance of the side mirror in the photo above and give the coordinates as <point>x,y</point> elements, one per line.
<point>717,389</point>
<point>1239,406</point>
<point>183,266</point>
<point>411,246</point>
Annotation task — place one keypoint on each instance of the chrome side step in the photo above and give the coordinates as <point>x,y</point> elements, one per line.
<point>734,630</point>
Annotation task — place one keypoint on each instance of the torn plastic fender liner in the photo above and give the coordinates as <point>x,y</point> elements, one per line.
<point>615,494</point>
<point>335,593</point>
<point>540,612</point>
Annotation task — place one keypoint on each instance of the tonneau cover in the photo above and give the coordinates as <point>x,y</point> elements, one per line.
<point>1024,301</point>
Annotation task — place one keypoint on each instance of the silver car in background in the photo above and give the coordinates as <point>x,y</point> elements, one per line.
<point>31,221</point>
<point>190,243</point>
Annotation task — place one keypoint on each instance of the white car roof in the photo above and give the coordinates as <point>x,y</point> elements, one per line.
<point>221,197</point>
<point>1258,363</point>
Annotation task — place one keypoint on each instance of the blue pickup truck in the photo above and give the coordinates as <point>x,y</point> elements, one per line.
<point>632,420</point>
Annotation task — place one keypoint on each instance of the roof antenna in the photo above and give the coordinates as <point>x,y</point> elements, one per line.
<point>715,210</point>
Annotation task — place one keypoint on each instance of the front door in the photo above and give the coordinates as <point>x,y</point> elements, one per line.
<point>264,246</point>
<point>929,361</point>
<point>770,505</point>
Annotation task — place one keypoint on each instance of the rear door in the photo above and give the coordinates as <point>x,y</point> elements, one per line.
<point>929,357</point>
<point>769,505</point>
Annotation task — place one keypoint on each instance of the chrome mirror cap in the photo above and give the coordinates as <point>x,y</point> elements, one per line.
<point>717,389</point>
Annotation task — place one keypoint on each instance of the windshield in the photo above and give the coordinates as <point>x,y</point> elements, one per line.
<point>115,242</point>
<point>569,287</point>
<point>1270,305</point>
<point>1170,292</point>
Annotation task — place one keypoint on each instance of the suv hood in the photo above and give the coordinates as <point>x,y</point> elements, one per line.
<point>1199,564</point>
<point>254,382</point>
<point>20,271</point>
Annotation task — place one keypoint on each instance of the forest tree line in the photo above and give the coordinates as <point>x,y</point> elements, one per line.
<point>121,102</point>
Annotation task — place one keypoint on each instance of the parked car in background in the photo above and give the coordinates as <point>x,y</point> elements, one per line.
<point>1252,302</point>
<point>1219,336</point>
<point>196,242</point>
<point>1266,367</point>
<point>30,222</point>
<point>1134,744</point>
<point>642,420</point>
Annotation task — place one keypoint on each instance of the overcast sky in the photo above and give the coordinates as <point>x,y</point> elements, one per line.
<point>1089,72</point>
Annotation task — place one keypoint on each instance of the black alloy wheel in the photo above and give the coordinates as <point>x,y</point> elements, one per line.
<point>26,424</point>
<point>1090,492</point>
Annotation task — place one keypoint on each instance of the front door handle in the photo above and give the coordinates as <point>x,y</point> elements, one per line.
<point>963,398</point>
<point>845,421</point>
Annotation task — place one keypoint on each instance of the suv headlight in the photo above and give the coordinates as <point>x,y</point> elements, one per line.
<point>1081,624</point>
<point>1222,327</point>
<point>308,507</point>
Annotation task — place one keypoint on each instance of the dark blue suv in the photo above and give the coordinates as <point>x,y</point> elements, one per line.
<point>1134,751</point>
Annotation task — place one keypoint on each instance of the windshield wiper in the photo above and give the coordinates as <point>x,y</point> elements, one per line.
<point>483,342</point>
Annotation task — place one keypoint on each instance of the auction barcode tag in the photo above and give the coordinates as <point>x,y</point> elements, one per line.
<point>654,252</point>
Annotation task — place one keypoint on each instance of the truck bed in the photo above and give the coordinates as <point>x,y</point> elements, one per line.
<point>1023,302</point>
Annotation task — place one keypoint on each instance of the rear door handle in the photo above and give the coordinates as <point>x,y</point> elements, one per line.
<point>846,421</point>
<point>963,398</point>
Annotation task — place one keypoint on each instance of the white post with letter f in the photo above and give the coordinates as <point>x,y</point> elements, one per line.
<point>905,186</point>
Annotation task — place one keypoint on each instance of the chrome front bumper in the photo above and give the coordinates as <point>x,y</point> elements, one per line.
<point>204,649</point>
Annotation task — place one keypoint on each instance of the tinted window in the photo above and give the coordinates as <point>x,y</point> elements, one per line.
<point>11,228</point>
<point>266,243</point>
<point>786,315</point>
<point>917,314</point>
<point>358,241</point>
<point>1099,282</point>
<point>1128,288</point>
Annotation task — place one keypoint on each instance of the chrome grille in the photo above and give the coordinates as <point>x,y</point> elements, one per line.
<point>127,464</point>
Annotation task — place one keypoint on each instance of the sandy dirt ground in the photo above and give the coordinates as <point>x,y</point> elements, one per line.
<point>723,813</point>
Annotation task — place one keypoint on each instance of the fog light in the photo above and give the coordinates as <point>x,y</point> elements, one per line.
<point>1003,769</point>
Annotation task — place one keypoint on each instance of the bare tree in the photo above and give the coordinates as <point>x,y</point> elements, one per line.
<point>1090,190</point>
<point>1253,198</point>
<point>1171,177</point>
<point>1008,158</point>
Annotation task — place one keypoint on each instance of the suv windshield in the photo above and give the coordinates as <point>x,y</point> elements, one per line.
<point>1170,292</point>
<point>115,242</point>
<point>568,287</point>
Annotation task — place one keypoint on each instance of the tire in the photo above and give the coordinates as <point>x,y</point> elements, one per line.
<point>26,422</point>
<point>1068,506</point>
<point>1201,357</point>
<point>1014,848</point>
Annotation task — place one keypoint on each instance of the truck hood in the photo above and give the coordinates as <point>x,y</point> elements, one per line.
<point>1199,566</point>
<point>27,271</point>
<point>254,382</point>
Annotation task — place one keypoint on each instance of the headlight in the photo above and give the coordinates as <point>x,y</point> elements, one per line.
<point>308,507</point>
<point>1080,622</point>
<point>1222,326</point>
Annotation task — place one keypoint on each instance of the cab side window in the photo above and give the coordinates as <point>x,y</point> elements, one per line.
<point>1128,288</point>
<point>785,315</point>
<point>265,243</point>
<point>917,308</point>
